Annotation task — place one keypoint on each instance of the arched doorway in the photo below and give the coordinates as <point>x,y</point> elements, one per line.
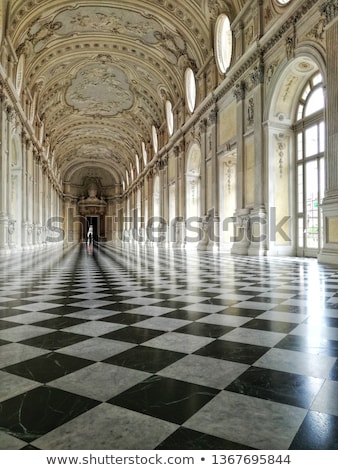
<point>193,191</point>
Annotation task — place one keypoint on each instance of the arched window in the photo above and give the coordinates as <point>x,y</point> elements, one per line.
<point>310,142</point>
<point>190,89</point>
<point>223,43</point>
<point>170,117</point>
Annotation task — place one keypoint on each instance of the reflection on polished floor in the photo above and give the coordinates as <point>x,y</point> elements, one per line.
<point>142,348</point>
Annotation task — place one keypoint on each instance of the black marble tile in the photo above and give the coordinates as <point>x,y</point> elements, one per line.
<point>188,439</point>
<point>176,304</point>
<point>126,318</point>
<point>161,297</point>
<point>205,329</point>
<point>324,321</point>
<point>311,345</point>
<point>4,325</point>
<point>243,312</point>
<point>9,312</point>
<point>59,323</point>
<point>119,307</point>
<point>290,308</point>
<point>55,340</point>
<point>271,325</point>
<point>164,398</point>
<point>319,431</point>
<point>146,359</point>
<point>64,301</point>
<point>64,309</point>
<point>48,367</point>
<point>38,411</point>
<point>282,387</point>
<point>3,342</point>
<point>16,303</point>
<point>334,372</point>
<point>186,315</point>
<point>220,302</point>
<point>132,334</point>
<point>232,351</point>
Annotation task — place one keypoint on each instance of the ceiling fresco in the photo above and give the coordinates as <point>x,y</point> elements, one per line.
<point>100,72</point>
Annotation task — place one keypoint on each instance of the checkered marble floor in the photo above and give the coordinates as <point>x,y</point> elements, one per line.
<point>147,348</point>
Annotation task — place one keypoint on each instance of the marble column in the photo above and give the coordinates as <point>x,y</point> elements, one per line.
<point>329,252</point>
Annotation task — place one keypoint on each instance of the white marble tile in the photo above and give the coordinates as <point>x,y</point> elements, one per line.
<point>96,349</point>
<point>162,324</point>
<point>178,342</point>
<point>226,320</point>
<point>252,336</point>
<point>119,429</point>
<point>253,422</point>
<point>22,332</point>
<point>100,381</point>
<point>12,385</point>
<point>326,400</point>
<point>15,352</point>
<point>296,362</point>
<point>204,371</point>
<point>8,442</point>
<point>94,328</point>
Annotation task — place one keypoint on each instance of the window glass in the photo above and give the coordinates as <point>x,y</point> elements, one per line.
<point>190,89</point>
<point>315,102</point>
<point>170,117</point>
<point>155,139</point>
<point>223,43</point>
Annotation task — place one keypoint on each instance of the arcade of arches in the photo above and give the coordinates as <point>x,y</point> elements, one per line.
<point>203,122</point>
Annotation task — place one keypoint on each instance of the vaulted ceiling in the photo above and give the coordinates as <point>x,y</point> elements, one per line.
<point>102,70</point>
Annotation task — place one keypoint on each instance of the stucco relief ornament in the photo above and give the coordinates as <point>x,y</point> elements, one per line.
<point>251,111</point>
<point>290,43</point>
<point>100,90</point>
<point>329,10</point>
<point>11,226</point>
<point>242,221</point>
<point>239,91</point>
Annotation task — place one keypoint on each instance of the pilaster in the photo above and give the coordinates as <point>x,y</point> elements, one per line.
<point>329,252</point>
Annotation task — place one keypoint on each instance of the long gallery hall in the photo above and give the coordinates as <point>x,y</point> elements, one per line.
<point>168,225</point>
<point>141,348</point>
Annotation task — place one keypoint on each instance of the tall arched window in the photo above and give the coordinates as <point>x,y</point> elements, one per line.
<point>310,143</point>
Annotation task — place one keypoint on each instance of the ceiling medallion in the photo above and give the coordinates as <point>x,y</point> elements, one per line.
<point>100,90</point>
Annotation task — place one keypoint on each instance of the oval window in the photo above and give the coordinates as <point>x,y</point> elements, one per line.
<point>223,43</point>
<point>190,89</point>
<point>170,117</point>
<point>155,139</point>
